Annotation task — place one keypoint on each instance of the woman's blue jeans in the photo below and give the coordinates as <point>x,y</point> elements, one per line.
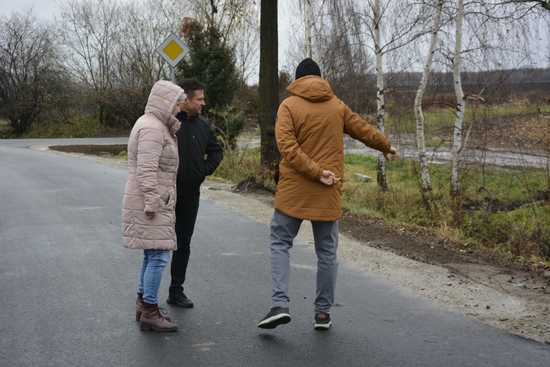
<point>154,262</point>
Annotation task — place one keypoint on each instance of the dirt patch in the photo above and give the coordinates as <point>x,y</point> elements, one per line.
<point>415,245</point>
<point>250,185</point>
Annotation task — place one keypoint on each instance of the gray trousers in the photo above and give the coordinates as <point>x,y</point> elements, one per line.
<point>283,231</point>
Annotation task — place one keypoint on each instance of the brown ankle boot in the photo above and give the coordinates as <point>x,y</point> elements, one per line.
<point>152,319</point>
<point>139,306</point>
<point>139,309</point>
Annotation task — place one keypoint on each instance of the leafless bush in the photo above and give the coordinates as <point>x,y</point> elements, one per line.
<point>28,69</point>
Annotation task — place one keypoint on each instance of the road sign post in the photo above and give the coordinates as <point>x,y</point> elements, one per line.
<point>173,49</point>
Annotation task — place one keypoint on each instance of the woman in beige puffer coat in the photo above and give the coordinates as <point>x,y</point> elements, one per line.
<point>148,212</point>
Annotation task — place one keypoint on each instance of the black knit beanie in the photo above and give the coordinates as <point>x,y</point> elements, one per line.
<point>307,67</point>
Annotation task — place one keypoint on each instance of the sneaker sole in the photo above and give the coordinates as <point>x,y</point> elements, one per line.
<point>324,326</point>
<point>274,321</point>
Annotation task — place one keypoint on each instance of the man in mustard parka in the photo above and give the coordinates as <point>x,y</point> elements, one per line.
<point>310,129</point>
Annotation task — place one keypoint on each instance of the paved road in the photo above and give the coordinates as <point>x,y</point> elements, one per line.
<point>67,290</point>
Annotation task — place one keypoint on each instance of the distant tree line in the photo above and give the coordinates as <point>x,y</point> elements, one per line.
<point>99,59</point>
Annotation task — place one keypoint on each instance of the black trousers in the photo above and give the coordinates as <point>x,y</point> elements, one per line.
<point>187,207</point>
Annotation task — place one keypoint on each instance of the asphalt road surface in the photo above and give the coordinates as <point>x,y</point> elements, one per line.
<point>68,289</point>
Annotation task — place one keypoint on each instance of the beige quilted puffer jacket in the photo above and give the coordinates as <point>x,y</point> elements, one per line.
<point>152,169</point>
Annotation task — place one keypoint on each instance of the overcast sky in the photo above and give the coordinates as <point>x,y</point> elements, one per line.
<point>43,8</point>
<point>48,9</point>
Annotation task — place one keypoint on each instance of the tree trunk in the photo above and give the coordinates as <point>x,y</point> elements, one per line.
<point>460,105</point>
<point>547,153</point>
<point>380,103</point>
<point>269,84</point>
<point>308,22</point>
<point>425,179</point>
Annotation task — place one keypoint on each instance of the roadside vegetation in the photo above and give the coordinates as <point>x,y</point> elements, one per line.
<point>504,213</point>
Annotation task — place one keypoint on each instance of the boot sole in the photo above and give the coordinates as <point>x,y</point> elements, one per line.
<point>274,321</point>
<point>149,327</point>
<point>162,312</point>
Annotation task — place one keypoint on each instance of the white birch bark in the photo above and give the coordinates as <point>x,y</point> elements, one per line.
<point>460,103</point>
<point>380,101</point>
<point>425,179</point>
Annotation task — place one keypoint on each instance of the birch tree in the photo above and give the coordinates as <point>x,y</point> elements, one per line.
<point>425,179</point>
<point>380,100</point>
<point>495,33</point>
<point>457,143</point>
<point>405,25</point>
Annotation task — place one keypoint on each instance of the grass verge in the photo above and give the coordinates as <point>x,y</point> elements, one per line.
<point>503,212</point>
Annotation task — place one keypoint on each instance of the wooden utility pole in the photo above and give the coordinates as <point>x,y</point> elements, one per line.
<point>269,83</point>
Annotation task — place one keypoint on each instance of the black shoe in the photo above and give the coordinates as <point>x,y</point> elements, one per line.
<point>275,317</point>
<point>322,321</point>
<point>179,299</point>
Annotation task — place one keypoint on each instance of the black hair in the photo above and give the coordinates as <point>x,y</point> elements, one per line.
<point>190,86</point>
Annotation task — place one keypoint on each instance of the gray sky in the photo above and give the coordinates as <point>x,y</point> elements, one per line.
<point>43,9</point>
<point>47,9</point>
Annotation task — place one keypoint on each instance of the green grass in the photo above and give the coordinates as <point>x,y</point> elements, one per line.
<point>239,164</point>
<point>503,184</point>
<point>521,234</point>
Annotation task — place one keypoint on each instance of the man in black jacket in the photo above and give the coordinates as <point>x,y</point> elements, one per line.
<point>199,155</point>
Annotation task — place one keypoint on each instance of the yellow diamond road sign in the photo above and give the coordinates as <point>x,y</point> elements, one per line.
<point>173,49</point>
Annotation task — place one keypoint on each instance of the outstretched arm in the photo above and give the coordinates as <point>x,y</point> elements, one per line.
<point>358,128</point>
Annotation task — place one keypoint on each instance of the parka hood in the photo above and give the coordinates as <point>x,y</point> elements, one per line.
<point>312,88</point>
<point>162,102</point>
